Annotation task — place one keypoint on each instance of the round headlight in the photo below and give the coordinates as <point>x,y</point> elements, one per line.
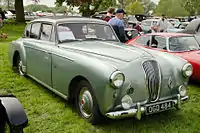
<point>182,91</point>
<point>187,70</point>
<point>126,102</point>
<point>129,33</point>
<point>117,79</point>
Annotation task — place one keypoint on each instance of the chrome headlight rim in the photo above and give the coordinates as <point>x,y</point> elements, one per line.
<point>185,70</point>
<point>182,90</point>
<point>113,76</point>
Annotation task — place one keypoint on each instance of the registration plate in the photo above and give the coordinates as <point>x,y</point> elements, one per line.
<point>151,109</point>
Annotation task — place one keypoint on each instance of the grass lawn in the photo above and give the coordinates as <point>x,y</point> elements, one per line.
<point>48,113</point>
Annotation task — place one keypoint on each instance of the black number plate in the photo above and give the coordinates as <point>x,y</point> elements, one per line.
<point>151,109</point>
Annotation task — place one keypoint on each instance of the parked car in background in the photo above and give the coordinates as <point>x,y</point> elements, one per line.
<point>13,118</point>
<point>179,44</point>
<point>181,25</point>
<point>83,59</point>
<point>132,21</point>
<point>173,21</point>
<point>149,23</point>
<point>9,15</point>
<point>131,33</point>
<point>29,16</point>
<point>193,28</point>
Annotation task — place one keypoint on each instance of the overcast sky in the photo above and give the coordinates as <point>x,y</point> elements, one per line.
<point>51,2</point>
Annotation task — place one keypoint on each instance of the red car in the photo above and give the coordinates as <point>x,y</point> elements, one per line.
<point>182,45</point>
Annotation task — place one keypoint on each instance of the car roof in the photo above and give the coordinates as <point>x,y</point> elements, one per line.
<point>169,34</point>
<point>73,19</point>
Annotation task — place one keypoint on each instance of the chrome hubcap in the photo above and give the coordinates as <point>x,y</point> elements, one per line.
<point>20,67</point>
<point>85,102</point>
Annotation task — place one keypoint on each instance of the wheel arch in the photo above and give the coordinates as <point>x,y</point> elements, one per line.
<point>72,86</point>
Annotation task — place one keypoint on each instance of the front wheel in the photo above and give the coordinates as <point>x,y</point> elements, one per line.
<point>86,103</point>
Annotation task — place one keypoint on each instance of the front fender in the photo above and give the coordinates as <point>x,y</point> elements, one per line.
<point>14,111</point>
<point>18,46</point>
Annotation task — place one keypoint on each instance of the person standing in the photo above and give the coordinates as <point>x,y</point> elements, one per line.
<point>138,27</point>
<point>2,16</point>
<point>118,24</point>
<point>109,14</point>
<point>163,24</point>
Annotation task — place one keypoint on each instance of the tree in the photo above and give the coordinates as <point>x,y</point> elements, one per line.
<point>148,6</point>
<point>8,4</point>
<point>145,6</point>
<point>135,8</point>
<point>19,8</point>
<point>192,6</point>
<point>86,7</point>
<point>105,4</point>
<point>35,7</point>
<point>171,8</point>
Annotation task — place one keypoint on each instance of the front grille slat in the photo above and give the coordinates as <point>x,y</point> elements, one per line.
<point>153,74</point>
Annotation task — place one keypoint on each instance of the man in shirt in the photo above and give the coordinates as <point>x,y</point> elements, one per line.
<point>118,24</point>
<point>163,24</point>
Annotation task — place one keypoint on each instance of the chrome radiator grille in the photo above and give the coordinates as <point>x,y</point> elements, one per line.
<point>153,78</point>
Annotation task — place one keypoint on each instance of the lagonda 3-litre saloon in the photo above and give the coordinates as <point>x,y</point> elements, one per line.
<point>81,59</point>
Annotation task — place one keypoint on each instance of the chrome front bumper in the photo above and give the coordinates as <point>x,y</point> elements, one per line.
<point>139,110</point>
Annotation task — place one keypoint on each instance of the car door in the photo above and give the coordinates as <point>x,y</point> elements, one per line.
<point>38,51</point>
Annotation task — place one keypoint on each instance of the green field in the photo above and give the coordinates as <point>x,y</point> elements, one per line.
<point>48,113</point>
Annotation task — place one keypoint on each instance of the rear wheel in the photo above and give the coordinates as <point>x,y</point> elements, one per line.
<point>86,103</point>
<point>19,66</point>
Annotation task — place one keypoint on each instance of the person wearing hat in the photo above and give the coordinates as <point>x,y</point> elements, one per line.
<point>163,24</point>
<point>118,24</point>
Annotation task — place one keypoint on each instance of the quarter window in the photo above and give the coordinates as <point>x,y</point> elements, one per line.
<point>46,32</point>
<point>35,30</point>
<point>161,42</point>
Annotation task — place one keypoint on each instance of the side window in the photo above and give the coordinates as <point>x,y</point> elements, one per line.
<point>46,32</point>
<point>65,33</point>
<point>161,42</point>
<point>35,30</point>
<point>27,31</point>
<point>143,40</point>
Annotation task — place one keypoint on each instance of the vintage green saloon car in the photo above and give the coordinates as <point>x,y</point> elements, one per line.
<point>82,59</point>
